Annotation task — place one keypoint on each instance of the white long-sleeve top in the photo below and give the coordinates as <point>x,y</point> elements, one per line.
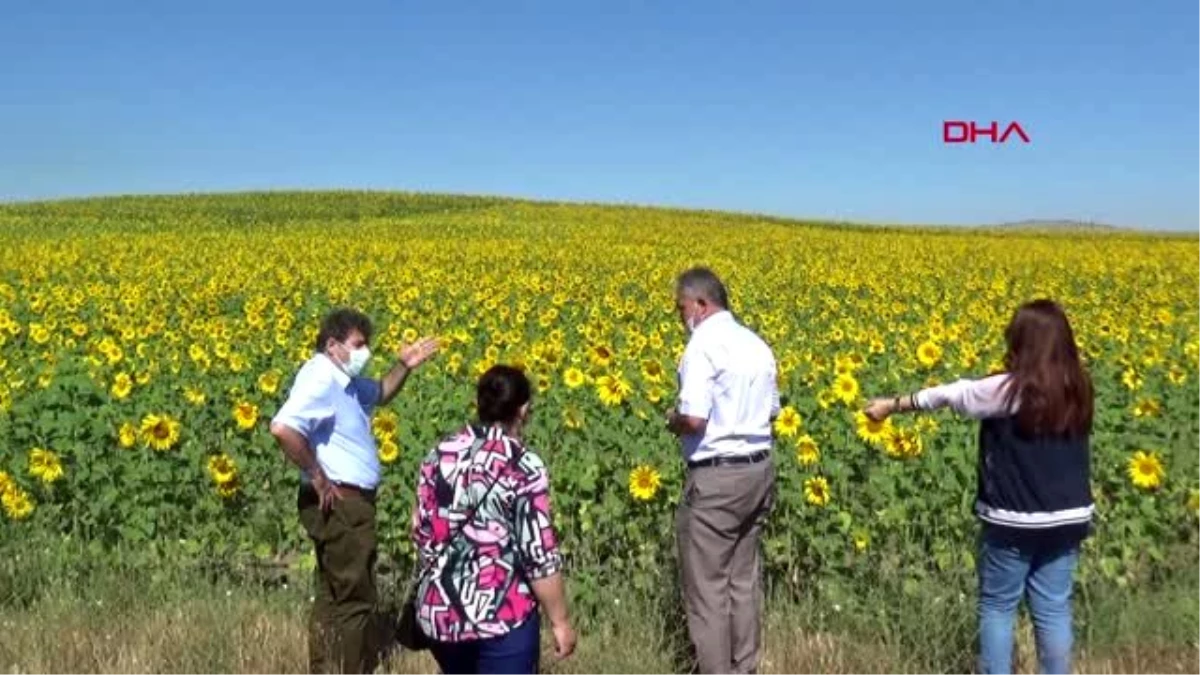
<point>975,398</point>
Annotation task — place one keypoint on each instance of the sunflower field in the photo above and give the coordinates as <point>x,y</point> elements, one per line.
<point>145,343</point>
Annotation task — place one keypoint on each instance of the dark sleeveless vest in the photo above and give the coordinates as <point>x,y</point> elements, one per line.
<point>1033,488</point>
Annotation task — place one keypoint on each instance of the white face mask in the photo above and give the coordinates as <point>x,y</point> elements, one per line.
<point>358,360</point>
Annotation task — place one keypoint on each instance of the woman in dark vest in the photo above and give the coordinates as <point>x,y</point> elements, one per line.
<point>1034,496</point>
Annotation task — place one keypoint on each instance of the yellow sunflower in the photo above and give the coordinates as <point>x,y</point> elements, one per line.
<point>127,435</point>
<point>652,371</point>
<point>600,356</point>
<point>1131,379</point>
<point>788,422</point>
<point>929,353</point>
<point>816,491</point>
<point>1146,470</point>
<point>903,444</point>
<point>1176,375</point>
<point>613,389</point>
<point>807,451</point>
<point>45,464</point>
<point>826,398</point>
<point>384,425</point>
<point>246,415</point>
<point>229,490</point>
<point>194,395</point>
<point>388,451</point>
<point>573,377</point>
<point>121,387</point>
<point>875,433</point>
<point>927,424</point>
<point>222,468</point>
<point>17,503</point>
<point>268,382</point>
<point>644,482</point>
<point>1147,407</point>
<point>160,432</point>
<point>846,389</point>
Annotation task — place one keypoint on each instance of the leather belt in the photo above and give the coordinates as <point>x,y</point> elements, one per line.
<point>730,460</point>
<point>366,494</point>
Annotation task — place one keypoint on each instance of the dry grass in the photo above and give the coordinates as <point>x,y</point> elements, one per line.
<point>266,633</point>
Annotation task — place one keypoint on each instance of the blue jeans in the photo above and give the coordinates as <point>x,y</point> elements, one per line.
<point>516,652</point>
<point>1044,573</point>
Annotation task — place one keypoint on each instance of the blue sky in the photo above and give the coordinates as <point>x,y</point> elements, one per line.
<point>811,109</point>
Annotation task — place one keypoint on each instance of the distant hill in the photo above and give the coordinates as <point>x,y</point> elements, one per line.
<point>1076,225</point>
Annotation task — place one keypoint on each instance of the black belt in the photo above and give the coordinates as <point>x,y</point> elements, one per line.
<point>730,461</point>
<point>367,494</point>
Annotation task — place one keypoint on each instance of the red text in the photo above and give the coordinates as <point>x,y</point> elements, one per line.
<point>957,131</point>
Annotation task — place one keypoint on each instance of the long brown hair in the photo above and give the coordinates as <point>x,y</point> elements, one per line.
<point>1046,373</point>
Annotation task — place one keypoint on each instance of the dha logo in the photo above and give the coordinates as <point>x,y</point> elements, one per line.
<point>957,131</point>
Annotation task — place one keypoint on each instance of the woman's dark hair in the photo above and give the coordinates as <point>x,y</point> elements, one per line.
<point>500,394</point>
<point>1046,374</point>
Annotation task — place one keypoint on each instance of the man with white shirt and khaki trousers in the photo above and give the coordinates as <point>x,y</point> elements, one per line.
<point>728,400</point>
<point>324,428</point>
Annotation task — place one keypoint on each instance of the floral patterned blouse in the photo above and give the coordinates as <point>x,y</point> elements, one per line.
<point>478,572</point>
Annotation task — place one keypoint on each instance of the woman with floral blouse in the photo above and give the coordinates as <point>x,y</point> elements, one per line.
<point>487,544</point>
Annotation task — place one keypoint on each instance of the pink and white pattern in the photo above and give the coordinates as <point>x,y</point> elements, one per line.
<point>477,585</point>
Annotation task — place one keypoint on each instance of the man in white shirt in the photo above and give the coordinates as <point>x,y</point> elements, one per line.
<point>324,428</point>
<point>728,399</point>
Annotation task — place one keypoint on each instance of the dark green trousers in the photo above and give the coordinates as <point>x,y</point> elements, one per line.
<point>343,629</point>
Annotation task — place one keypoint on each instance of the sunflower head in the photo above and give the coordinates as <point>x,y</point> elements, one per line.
<point>846,389</point>
<point>612,389</point>
<point>929,353</point>
<point>1146,470</point>
<point>573,377</point>
<point>807,451</point>
<point>388,451</point>
<point>245,414</point>
<point>871,431</point>
<point>160,432</point>
<point>222,468</point>
<point>816,491</point>
<point>127,435</point>
<point>788,422</point>
<point>644,482</point>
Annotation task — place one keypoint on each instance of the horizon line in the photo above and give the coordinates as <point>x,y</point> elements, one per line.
<point>1009,225</point>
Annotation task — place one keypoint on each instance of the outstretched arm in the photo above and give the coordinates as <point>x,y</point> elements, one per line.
<point>978,399</point>
<point>411,356</point>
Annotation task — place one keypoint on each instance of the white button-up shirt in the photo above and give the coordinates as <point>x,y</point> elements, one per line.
<point>333,411</point>
<point>728,376</point>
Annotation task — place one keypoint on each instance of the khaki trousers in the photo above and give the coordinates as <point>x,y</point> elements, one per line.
<point>719,528</point>
<point>343,627</point>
